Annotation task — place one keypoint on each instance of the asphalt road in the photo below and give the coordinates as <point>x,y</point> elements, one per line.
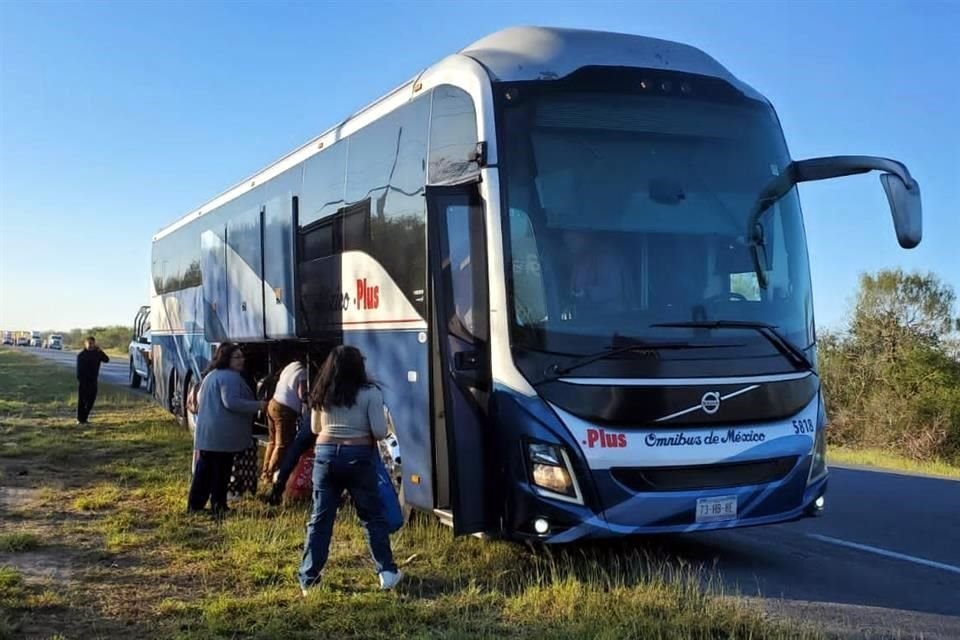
<point>117,371</point>
<point>882,561</point>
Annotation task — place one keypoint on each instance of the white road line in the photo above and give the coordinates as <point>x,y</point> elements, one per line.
<point>884,552</point>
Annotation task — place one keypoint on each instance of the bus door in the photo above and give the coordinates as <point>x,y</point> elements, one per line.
<point>460,367</point>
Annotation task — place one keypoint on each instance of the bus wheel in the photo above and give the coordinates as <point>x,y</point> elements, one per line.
<point>134,377</point>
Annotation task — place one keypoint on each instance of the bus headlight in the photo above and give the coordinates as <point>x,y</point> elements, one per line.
<point>551,472</point>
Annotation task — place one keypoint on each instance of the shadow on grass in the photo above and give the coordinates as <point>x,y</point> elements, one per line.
<point>114,497</point>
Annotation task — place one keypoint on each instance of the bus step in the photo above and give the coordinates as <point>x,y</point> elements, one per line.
<point>445,516</point>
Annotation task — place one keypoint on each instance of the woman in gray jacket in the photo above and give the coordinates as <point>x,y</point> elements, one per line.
<point>225,413</point>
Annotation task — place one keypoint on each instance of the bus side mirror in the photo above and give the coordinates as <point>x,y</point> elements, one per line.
<point>903,192</point>
<point>903,195</point>
<point>906,209</point>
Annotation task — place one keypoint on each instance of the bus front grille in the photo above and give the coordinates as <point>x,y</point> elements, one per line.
<point>707,476</point>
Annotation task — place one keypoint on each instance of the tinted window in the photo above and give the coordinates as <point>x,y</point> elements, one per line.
<point>386,176</point>
<point>355,223</point>
<point>323,184</point>
<point>468,274</point>
<point>627,210</point>
<point>316,241</point>
<point>453,135</point>
<point>176,260</point>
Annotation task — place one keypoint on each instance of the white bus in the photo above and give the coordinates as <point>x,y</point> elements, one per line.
<point>576,264</point>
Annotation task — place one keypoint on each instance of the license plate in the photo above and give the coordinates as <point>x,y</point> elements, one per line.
<point>716,509</point>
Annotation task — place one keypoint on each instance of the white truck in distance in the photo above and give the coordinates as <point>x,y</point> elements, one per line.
<point>140,349</point>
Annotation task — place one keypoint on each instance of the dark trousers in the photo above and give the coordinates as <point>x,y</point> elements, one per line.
<point>86,396</point>
<point>211,477</point>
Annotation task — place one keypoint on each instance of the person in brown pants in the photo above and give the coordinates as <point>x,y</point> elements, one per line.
<point>283,412</point>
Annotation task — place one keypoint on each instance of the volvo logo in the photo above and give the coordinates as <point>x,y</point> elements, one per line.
<point>710,402</point>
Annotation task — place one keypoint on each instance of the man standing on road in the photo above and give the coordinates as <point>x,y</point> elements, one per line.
<point>88,370</point>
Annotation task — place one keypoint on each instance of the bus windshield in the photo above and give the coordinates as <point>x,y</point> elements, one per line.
<point>628,209</point>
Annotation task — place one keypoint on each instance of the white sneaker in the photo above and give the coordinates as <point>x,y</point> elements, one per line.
<point>389,579</point>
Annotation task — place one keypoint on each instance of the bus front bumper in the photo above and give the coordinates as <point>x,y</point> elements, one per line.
<point>663,512</point>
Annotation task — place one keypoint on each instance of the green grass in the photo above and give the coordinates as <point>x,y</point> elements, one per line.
<point>18,601</point>
<point>18,541</point>
<point>890,461</point>
<point>12,589</point>
<point>111,506</point>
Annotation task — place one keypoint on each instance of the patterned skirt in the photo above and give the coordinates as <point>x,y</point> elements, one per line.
<point>246,471</point>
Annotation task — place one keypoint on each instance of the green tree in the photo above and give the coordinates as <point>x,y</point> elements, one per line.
<point>894,309</point>
<point>892,380</point>
<point>112,337</point>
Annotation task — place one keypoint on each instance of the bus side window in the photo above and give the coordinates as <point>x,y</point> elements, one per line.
<point>465,244</point>
<point>453,136</point>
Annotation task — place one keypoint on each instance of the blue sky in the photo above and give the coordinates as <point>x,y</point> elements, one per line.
<point>118,117</point>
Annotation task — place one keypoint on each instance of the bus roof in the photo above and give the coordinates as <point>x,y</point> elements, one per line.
<point>540,53</point>
<point>509,55</point>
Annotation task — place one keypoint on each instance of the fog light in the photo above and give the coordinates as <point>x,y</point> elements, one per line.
<point>541,526</point>
<point>815,508</point>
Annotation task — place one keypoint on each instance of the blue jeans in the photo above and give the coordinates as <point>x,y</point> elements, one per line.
<point>338,467</point>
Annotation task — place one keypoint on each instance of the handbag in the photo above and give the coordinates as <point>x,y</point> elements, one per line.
<point>300,483</point>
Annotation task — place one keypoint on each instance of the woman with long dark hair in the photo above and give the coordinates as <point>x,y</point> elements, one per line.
<point>226,407</point>
<point>348,418</point>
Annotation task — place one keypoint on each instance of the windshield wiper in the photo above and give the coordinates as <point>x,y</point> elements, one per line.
<point>791,352</point>
<point>555,371</point>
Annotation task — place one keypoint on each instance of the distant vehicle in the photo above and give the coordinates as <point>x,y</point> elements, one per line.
<point>141,356</point>
<point>8,338</point>
<point>55,341</point>
<point>23,340</point>
<point>36,340</point>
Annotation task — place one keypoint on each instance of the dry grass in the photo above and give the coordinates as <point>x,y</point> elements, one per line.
<point>109,517</point>
<point>892,462</point>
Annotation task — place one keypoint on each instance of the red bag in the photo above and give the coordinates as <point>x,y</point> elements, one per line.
<point>300,484</point>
